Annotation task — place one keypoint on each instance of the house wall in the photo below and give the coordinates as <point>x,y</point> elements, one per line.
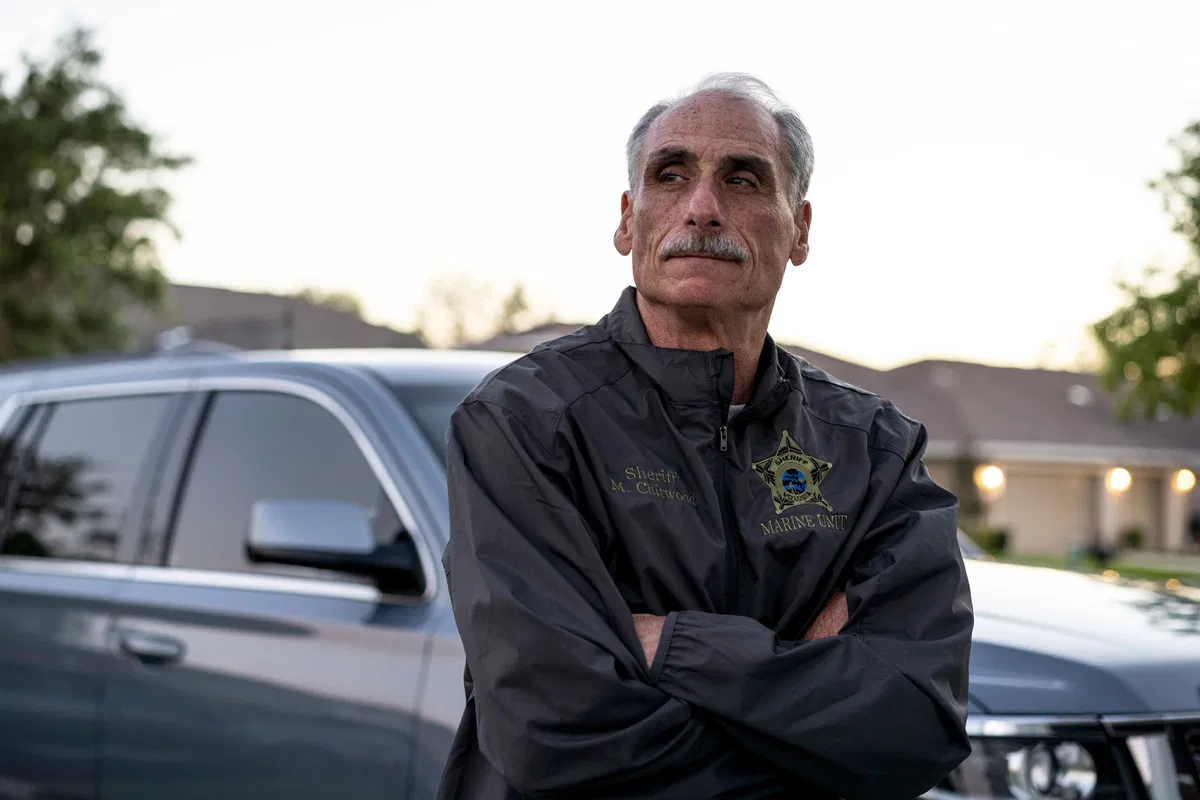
<point>1045,508</point>
<point>942,473</point>
<point>1141,507</point>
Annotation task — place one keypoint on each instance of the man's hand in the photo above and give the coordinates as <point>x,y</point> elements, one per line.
<point>831,619</point>
<point>649,630</point>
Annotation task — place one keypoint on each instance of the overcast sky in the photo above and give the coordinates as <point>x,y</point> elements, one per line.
<point>980,174</point>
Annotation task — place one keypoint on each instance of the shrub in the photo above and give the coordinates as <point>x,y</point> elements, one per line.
<point>993,540</point>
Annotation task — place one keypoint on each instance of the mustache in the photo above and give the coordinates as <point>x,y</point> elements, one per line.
<point>716,245</point>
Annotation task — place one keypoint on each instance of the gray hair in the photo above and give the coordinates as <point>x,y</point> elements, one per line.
<point>747,87</point>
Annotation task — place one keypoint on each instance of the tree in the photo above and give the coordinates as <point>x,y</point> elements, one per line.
<point>1151,345</point>
<point>79,204</point>
<point>339,301</point>
<point>459,310</point>
<point>512,309</point>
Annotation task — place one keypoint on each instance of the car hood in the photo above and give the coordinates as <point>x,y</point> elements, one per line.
<point>1054,641</point>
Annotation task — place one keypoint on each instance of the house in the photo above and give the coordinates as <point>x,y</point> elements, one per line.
<point>1053,466</point>
<point>524,341</point>
<point>255,320</point>
<point>1064,470</point>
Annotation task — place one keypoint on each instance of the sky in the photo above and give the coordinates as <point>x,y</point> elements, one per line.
<point>980,176</point>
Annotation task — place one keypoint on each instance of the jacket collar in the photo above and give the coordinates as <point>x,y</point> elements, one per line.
<point>693,377</point>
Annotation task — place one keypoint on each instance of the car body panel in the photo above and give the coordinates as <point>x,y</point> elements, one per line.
<point>55,626</point>
<point>285,688</point>
<point>442,702</point>
<point>1053,641</point>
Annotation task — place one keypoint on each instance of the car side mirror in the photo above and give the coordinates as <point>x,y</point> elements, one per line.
<point>329,535</point>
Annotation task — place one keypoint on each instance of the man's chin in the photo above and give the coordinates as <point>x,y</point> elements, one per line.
<point>698,292</point>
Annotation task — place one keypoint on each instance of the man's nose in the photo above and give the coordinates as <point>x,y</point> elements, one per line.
<point>704,210</point>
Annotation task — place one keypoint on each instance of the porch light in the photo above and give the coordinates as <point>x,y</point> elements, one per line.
<point>1119,480</point>
<point>1185,480</point>
<point>989,477</point>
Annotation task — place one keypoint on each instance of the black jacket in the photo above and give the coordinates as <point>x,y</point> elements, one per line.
<point>600,476</point>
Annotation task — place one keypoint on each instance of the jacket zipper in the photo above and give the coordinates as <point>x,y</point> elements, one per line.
<point>733,542</point>
<point>732,552</point>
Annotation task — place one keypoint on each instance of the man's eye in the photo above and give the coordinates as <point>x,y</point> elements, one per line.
<point>667,176</point>
<point>742,180</point>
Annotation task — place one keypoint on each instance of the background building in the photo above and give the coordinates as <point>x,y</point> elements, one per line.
<point>253,320</point>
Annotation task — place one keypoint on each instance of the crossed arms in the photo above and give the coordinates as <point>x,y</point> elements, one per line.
<point>569,701</point>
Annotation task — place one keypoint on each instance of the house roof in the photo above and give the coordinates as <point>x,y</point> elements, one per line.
<point>1002,412</point>
<point>863,377</point>
<point>961,401</point>
<point>258,320</point>
<point>524,341</point>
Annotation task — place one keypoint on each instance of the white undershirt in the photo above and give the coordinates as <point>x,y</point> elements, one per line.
<point>734,410</point>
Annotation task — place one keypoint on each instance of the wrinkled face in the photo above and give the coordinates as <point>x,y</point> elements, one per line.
<point>710,226</point>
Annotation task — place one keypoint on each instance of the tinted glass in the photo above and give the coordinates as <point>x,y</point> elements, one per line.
<point>268,446</point>
<point>79,478</point>
<point>14,455</point>
<point>431,407</point>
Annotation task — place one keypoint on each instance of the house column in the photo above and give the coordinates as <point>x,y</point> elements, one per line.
<point>1177,485</point>
<point>1113,485</point>
<point>1106,512</point>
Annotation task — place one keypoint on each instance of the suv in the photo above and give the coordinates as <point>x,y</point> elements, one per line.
<point>220,578</point>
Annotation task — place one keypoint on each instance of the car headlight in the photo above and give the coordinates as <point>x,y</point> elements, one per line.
<point>1030,759</point>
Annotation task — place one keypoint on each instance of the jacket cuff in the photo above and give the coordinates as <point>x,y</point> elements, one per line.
<point>664,644</point>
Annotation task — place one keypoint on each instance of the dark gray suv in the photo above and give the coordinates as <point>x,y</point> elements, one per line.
<point>220,578</point>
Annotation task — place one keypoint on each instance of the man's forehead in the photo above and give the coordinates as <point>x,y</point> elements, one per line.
<point>716,124</point>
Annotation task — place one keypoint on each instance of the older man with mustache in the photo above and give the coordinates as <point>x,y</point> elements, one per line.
<point>684,562</point>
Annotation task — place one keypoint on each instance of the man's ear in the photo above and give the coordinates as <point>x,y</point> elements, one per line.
<point>803,223</point>
<point>623,239</point>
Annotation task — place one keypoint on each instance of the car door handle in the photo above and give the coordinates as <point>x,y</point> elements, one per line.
<point>151,648</point>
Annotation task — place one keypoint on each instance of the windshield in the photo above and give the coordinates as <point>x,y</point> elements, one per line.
<point>430,406</point>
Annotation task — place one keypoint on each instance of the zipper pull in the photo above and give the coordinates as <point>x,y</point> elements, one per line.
<point>724,438</point>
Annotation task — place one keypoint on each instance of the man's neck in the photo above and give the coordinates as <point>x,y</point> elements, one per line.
<point>741,334</point>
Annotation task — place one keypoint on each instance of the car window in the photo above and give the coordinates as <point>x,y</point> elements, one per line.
<point>268,446</point>
<point>431,408</point>
<point>15,455</point>
<point>77,481</point>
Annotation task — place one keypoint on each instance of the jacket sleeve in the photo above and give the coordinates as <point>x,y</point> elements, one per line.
<point>561,688</point>
<point>877,711</point>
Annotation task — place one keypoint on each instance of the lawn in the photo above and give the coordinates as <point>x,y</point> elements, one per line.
<point>1160,575</point>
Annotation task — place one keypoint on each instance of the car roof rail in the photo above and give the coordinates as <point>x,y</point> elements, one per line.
<point>168,344</point>
<point>179,341</point>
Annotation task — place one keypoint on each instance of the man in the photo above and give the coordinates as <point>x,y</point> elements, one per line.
<point>685,563</point>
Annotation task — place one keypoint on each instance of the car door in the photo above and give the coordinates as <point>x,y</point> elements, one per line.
<point>72,486</point>
<point>243,680</point>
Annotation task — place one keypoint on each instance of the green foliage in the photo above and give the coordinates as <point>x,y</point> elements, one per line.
<point>994,541</point>
<point>1151,348</point>
<point>79,203</point>
<point>1151,345</point>
<point>1132,538</point>
<point>339,301</point>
